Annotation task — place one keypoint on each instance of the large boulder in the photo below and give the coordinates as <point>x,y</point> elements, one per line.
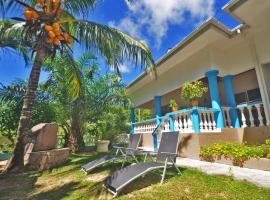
<point>45,135</point>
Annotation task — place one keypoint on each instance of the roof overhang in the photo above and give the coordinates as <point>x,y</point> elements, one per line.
<point>251,12</point>
<point>204,35</point>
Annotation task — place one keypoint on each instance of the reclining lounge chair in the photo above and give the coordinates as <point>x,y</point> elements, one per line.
<point>166,157</point>
<point>125,153</point>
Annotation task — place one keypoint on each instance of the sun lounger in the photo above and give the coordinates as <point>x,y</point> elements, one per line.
<point>166,157</point>
<point>122,153</point>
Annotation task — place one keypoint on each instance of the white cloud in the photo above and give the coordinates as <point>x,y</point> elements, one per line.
<point>123,69</point>
<point>153,17</point>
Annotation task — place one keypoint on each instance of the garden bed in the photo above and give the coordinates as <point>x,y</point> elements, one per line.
<point>242,155</point>
<point>252,163</point>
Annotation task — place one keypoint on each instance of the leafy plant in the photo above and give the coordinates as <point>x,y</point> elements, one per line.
<point>192,91</point>
<point>238,153</point>
<point>173,103</point>
<point>143,114</point>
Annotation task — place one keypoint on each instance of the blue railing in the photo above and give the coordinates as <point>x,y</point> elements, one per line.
<point>194,119</point>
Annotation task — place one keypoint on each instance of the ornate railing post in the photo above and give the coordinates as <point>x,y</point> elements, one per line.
<point>158,120</point>
<point>132,120</point>
<point>195,120</point>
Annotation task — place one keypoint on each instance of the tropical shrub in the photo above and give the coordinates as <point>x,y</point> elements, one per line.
<point>191,91</point>
<point>11,102</point>
<point>238,153</point>
<point>143,114</point>
<point>173,103</point>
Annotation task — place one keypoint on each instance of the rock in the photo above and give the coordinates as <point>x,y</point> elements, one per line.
<point>43,160</point>
<point>46,136</point>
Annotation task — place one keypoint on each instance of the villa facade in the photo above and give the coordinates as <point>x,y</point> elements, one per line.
<point>233,63</point>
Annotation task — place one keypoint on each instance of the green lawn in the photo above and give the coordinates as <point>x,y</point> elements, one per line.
<point>68,182</point>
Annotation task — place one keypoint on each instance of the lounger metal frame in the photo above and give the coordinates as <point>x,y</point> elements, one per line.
<point>129,152</point>
<point>168,161</point>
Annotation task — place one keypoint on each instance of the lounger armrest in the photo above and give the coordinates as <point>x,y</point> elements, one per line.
<point>118,147</point>
<point>168,153</point>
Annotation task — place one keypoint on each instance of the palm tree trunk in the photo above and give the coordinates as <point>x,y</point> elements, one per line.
<point>16,162</point>
<point>76,142</point>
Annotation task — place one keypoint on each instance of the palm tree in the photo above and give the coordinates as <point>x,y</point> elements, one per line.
<point>67,84</point>
<point>50,26</point>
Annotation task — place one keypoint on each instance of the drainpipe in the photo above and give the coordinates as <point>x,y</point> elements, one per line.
<point>229,91</point>
<point>215,98</point>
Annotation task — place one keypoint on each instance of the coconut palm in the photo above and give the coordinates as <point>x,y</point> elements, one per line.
<point>50,26</point>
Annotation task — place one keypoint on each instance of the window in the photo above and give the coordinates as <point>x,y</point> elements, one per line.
<point>248,96</point>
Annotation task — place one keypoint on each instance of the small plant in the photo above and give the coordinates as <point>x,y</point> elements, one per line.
<point>238,153</point>
<point>193,91</point>
<point>173,103</point>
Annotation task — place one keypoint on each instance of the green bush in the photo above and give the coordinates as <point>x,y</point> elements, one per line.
<point>173,103</point>
<point>238,153</point>
<point>192,91</point>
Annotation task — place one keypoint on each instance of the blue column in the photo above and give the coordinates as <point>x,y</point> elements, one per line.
<point>229,91</point>
<point>132,120</point>
<point>171,123</point>
<point>158,114</point>
<point>215,98</point>
<point>195,120</point>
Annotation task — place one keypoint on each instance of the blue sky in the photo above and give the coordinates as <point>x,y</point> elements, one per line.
<point>160,24</point>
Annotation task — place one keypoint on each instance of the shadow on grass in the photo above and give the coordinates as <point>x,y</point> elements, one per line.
<point>151,178</point>
<point>17,185</point>
<point>59,192</point>
<point>24,185</point>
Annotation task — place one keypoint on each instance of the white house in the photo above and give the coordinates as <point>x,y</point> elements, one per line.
<point>234,64</point>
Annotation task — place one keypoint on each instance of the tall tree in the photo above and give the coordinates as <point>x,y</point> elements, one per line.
<point>50,26</point>
<point>69,78</point>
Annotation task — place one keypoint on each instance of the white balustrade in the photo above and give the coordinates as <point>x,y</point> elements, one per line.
<point>182,122</point>
<point>253,115</point>
<point>227,117</point>
<point>207,121</point>
<point>250,115</point>
<point>145,126</point>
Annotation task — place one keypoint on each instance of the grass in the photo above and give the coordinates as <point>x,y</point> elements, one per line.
<point>68,182</point>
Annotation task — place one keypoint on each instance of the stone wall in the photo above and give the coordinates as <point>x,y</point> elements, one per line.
<point>43,160</point>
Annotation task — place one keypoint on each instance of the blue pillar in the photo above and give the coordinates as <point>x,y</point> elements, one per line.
<point>215,98</point>
<point>158,114</point>
<point>229,91</point>
<point>171,123</point>
<point>132,120</point>
<point>195,120</point>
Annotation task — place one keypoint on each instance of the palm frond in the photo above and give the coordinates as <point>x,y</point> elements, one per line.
<point>13,92</point>
<point>10,38</point>
<point>114,45</point>
<point>67,72</point>
<point>86,59</point>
